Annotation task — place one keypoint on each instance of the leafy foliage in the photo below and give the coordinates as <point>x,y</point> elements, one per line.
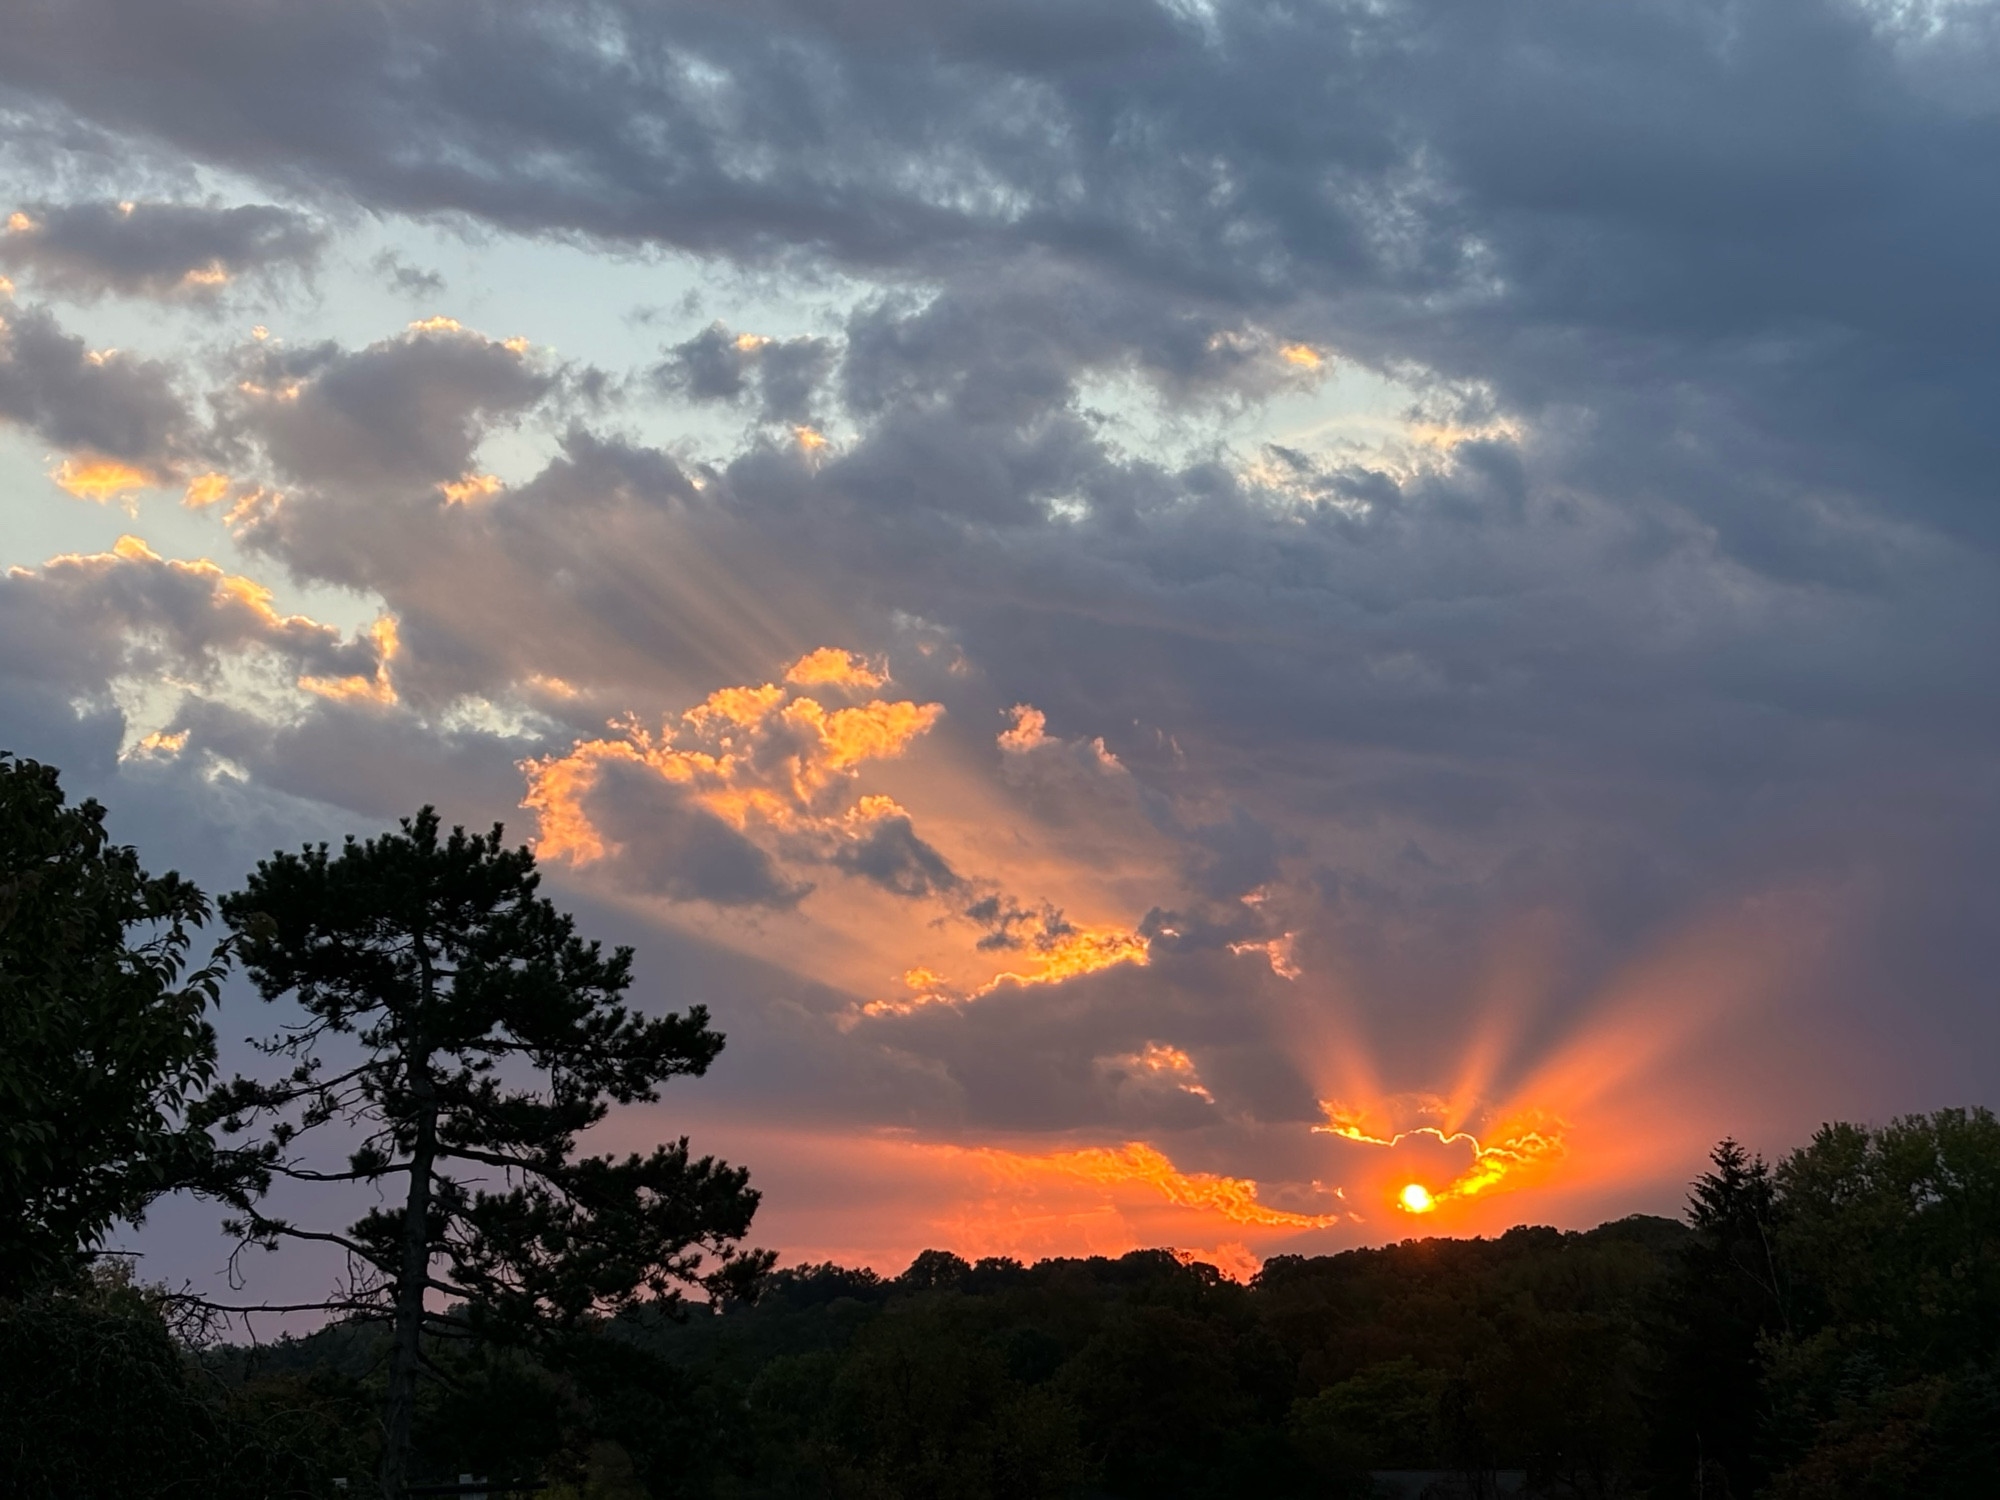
<point>103,1039</point>
<point>1886,1379</point>
<point>98,1399</point>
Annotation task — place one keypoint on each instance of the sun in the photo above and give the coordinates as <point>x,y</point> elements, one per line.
<point>1416,1198</point>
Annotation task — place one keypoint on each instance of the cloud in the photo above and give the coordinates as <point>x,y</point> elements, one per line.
<point>667,844</point>
<point>717,365</point>
<point>1518,200</point>
<point>831,666</point>
<point>890,854</point>
<point>408,411</point>
<point>103,404</point>
<point>161,632</point>
<point>746,777</point>
<point>1234,1199</point>
<point>174,251</point>
<point>400,276</point>
<point>1383,517</point>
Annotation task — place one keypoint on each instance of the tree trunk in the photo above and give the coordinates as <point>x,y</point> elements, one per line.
<point>411,1283</point>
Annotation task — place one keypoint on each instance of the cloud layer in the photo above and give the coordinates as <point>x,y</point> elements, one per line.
<point>1305,600</point>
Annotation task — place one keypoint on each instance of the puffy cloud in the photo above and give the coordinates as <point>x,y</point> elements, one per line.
<point>185,251</point>
<point>161,636</point>
<point>717,365</point>
<point>409,411</point>
<point>746,777</point>
<point>831,666</point>
<point>890,854</point>
<point>113,408</point>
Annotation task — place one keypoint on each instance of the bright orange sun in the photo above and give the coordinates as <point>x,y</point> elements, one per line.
<point>1416,1198</point>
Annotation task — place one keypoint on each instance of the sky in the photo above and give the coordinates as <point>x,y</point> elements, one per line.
<point>1247,626</point>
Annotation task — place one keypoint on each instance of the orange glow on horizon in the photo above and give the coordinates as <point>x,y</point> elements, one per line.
<point>1542,1087</point>
<point>1514,1148</point>
<point>1613,1128</point>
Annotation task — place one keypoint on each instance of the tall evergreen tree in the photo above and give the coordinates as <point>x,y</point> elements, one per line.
<point>103,1038</point>
<point>1727,1295</point>
<point>457,1027</point>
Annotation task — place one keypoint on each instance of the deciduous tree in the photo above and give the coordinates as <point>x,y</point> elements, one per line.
<point>103,1038</point>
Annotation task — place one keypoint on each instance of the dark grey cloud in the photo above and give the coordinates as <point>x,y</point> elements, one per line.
<point>717,365</point>
<point>892,856</point>
<point>107,403</point>
<point>672,847</point>
<point>408,412</point>
<point>1745,255</point>
<point>184,251</point>
<point>1686,605</point>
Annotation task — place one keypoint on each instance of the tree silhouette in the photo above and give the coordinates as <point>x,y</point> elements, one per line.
<point>1726,1296</point>
<point>102,1036</point>
<point>458,1027</point>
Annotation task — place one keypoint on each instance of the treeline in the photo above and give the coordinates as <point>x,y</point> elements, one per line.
<point>1828,1327</point>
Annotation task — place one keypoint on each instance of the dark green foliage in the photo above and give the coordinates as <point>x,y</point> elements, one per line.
<point>1885,1381</point>
<point>1824,1330</point>
<point>1726,1297</point>
<point>102,1036</point>
<point>98,1400</point>
<point>455,1028</point>
<point>1146,1376</point>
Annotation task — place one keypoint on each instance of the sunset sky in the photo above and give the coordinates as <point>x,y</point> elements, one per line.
<point>1183,615</point>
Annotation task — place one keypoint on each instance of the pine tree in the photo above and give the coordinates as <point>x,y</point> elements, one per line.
<point>1727,1294</point>
<point>457,1027</point>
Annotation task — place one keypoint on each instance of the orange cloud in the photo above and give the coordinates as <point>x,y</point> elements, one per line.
<point>205,490</point>
<point>100,479</point>
<point>1277,951</point>
<point>1083,950</point>
<point>1169,1064</point>
<point>873,1198</point>
<point>1030,730</point>
<point>760,758</point>
<point>158,745</point>
<point>1065,952</point>
<point>1231,1198</point>
<point>831,666</point>
<point>375,688</point>
<point>471,487</point>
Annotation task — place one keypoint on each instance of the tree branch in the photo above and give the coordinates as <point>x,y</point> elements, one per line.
<point>300,1174</point>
